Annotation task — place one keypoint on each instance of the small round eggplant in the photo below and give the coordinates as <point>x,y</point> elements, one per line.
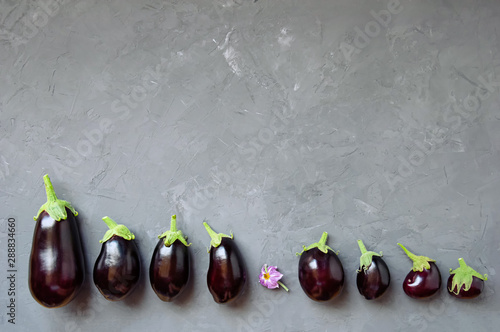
<point>373,277</point>
<point>56,269</point>
<point>226,275</point>
<point>424,279</point>
<point>170,264</point>
<point>321,274</point>
<point>118,267</point>
<point>464,282</point>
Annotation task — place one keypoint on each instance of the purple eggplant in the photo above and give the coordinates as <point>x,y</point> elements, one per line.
<point>424,279</point>
<point>373,277</point>
<point>321,274</point>
<point>118,267</point>
<point>56,269</point>
<point>170,264</point>
<point>464,282</point>
<point>226,275</point>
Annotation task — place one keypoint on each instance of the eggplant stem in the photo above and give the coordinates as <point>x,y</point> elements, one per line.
<point>321,245</point>
<point>210,231</point>
<point>408,253</point>
<point>173,234</point>
<point>49,189</point>
<point>115,229</point>
<point>55,207</point>
<point>216,238</point>
<point>366,258</point>
<point>173,223</point>
<point>362,247</point>
<point>419,262</point>
<point>322,240</point>
<point>110,222</point>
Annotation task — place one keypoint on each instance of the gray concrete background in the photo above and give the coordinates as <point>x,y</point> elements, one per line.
<point>276,120</point>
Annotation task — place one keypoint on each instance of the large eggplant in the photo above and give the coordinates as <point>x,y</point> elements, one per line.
<point>170,265</point>
<point>226,275</point>
<point>57,269</point>
<point>118,267</point>
<point>321,274</point>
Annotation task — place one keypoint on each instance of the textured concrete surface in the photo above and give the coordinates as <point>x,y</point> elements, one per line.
<point>276,120</point>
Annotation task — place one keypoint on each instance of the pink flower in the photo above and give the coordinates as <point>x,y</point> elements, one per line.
<point>270,277</point>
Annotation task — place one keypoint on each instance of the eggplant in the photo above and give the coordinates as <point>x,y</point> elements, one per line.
<point>321,274</point>
<point>56,268</point>
<point>373,277</point>
<point>424,279</point>
<point>464,282</point>
<point>226,275</point>
<point>118,267</point>
<point>170,265</point>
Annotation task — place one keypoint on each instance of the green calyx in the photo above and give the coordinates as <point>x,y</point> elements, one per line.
<point>462,276</point>
<point>173,234</point>
<point>115,229</point>
<point>216,238</point>
<point>321,245</point>
<point>366,256</point>
<point>419,262</point>
<point>55,207</point>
